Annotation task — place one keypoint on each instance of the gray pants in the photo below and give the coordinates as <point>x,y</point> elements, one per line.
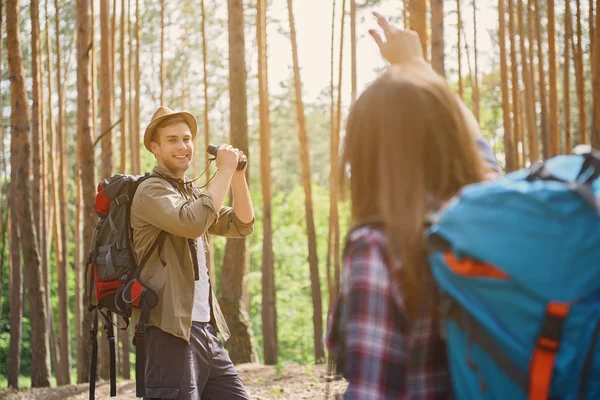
<point>200,370</point>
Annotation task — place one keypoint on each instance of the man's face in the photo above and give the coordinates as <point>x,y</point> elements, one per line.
<point>174,148</point>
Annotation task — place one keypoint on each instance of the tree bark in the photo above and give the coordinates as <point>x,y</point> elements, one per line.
<point>106,91</point>
<point>3,222</point>
<point>16,285</point>
<point>55,353</point>
<point>580,80</point>
<point>529,98</point>
<point>36,117</point>
<point>568,38</point>
<point>62,276</point>
<point>534,150</point>
<point>87,174</point>
<point>306,183</point>
<point>22,204</point>
<point>593,27</point>
<point>269,304</point>
<point>136,82</point>
<point>516,91</point>
<point>508,132</point>
<point>236,261</point>
<point>332,130</point>
<point>353,46</point>
<point>123,116</point>
<point>475,75</point>
<point>334,161</point>
<point>542,80</point>
<point>554,126</point>
<point>418,22</point>
<point>596,80</point>
<point>162,52</point>
<point>30,220</point>
<point>437,37</point>
<point>461,88</point>
<point>94,72</point>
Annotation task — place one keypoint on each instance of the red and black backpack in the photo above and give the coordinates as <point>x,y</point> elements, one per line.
<point>114,283</point>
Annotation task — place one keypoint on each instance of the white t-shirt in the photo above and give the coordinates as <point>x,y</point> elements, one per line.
<point>201,310</point>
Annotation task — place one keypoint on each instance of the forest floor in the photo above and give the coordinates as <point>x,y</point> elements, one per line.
<point>262,383</point>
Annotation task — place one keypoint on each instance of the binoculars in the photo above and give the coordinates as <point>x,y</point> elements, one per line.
<point>212,150</point>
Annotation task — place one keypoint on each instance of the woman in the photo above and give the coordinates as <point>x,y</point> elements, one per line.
<point>408,149</point>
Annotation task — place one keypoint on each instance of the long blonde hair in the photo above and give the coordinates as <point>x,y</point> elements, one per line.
<point>407,149</point>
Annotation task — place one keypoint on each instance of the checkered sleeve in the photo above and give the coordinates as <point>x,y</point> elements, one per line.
<point>376,349</point>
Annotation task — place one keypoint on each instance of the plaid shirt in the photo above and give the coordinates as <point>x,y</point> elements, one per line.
<point>382,354</point>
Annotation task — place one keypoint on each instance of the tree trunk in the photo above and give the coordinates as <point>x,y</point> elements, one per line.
<point>113,46</point>
<point>3,222</point>
<point>16,285</point>
<point>508,132</point>
<point>418,22</point>
<point>475,75</point>
<point>592,33</point>
<point>542,80</point>
<point>353,46</point>
<point>437,37</point>
<point>87,165</point>
<point>54,354</point>
<point>107,120</point>
<point>554,126</point>
<point>335,145</point>
<point>236,261</point>
<point>516,104</point>
<point>568,142</point>
<point>529,100</point>
<point>94,73</point>
<point>596,81</point>
<point>162,52</point>
<point>211,259</point>
<point>22,204</point>
<point>30,222</point>
<point>136,82</point>
<point>36,118</point>
<point>332,130</point>
<point>461,88</point>
<point>61,147</point>
<point>269,305</point>
<point>206,105</point>
<point>580,81</point>
<point>123,116</point>
<point>126,110</point>
<point>534,152</point>
<point>306,183</point>
<point>106,91</point>
<point>130,79</point>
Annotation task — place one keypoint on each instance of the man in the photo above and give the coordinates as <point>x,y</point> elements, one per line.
<point>184,358</point>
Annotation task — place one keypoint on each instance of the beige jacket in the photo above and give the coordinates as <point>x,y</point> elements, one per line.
<point>157,206</point>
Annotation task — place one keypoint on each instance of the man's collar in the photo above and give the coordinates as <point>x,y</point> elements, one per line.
<point>162,172</point>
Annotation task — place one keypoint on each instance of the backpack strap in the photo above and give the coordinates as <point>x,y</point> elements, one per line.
<point>544,355</point>
<point>477,334</point>
<point>110,333</point>
<point>94,361</point>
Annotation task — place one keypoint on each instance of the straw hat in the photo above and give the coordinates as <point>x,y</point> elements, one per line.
<point>160,115</point>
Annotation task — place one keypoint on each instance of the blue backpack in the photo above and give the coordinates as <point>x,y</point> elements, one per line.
<point>517,264</point>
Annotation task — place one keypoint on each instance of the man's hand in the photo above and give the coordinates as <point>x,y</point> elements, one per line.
<point>241,157</point>
<point>227,157</point>
<point>401,47</point>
